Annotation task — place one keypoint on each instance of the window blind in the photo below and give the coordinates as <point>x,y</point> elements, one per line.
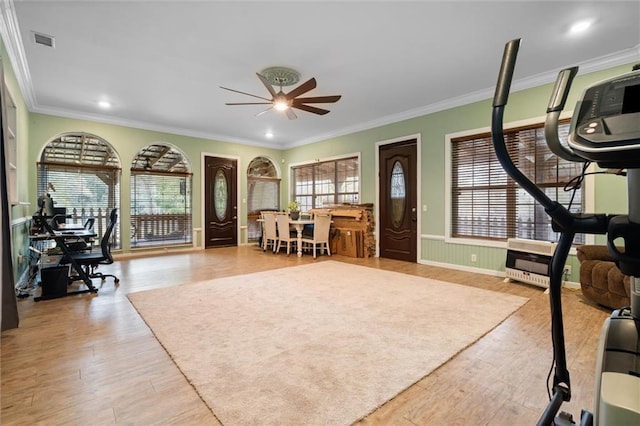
<point>488,204</point>
<point>262,194</point>
<point>84,173</point>
<point>326,183</point>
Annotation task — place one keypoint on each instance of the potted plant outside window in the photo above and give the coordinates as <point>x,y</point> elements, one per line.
<point>294,210</point>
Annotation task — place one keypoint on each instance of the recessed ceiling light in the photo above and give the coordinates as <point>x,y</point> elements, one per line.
<point>104,104</point>
<point>580,27</point>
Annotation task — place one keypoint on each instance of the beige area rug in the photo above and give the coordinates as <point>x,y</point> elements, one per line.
<point>319,344</point>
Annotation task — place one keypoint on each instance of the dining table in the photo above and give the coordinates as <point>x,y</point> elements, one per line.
<point>299,225</point>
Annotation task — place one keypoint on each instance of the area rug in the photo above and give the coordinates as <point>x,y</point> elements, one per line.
<point>319,344</point>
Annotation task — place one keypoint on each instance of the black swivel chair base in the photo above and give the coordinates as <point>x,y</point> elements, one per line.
<point>90,270</point>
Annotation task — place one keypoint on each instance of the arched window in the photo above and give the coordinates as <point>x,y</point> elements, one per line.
<point>81,174</point>
<point>263,193</point>
<point>160,197</point>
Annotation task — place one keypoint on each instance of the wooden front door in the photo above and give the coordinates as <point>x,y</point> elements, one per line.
<point>398,199</point>
<point>221,209</point>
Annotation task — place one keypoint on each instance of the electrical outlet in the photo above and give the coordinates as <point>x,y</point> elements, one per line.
<point>567,269</point>
<point>474,258</point>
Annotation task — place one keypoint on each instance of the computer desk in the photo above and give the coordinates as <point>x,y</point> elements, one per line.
<point>61,237</point>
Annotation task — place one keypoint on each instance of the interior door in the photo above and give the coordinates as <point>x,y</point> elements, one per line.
<point>221,209</point>
<point>398,199</point>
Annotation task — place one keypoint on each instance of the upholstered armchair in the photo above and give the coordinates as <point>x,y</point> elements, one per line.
<point>600,279</point>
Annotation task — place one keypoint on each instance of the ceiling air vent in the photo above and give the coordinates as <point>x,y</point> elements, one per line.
<point>44,39</point>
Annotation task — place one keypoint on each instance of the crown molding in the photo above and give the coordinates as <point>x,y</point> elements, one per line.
<point>622,57</point>
<point>10,32</point>
<point>119,121</point>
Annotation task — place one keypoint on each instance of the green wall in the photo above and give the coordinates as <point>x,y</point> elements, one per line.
<point>19,231</point>
<point>128,141</point>
<point>607,192</point>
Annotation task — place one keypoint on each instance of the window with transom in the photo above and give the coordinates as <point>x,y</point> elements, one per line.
<point>263,193</point>
<point>160,197</point>
<point>80,172</point>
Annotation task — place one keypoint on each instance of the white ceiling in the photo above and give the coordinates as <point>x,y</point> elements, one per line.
<point>160,63</point>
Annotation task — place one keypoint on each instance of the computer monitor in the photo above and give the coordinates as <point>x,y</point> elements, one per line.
<point>45,204</point>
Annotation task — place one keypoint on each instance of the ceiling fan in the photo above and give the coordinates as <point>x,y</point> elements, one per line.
<point>281,101</point>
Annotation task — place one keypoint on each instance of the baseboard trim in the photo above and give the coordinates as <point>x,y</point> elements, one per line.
<point>567,284</point>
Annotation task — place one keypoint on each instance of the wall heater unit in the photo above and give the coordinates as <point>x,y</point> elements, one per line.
<point>528,261</point>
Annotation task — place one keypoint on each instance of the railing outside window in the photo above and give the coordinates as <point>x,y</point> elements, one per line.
<point>160,197</point>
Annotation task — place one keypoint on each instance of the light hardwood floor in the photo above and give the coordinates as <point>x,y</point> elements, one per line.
<point>91,359</point>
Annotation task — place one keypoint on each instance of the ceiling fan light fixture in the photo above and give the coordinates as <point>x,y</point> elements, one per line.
<point>281,105</point>
<point>287,102</point>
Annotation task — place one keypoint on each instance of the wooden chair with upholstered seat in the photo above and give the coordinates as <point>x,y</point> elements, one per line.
<point>320,236</point>
<point>285,234</point>
<point>269,232</point>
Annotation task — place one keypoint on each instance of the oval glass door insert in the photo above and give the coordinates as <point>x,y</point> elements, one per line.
<point>220,192</point>
<point>398,194</point>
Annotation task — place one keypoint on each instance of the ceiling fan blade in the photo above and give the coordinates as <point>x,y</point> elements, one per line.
<point>290,114</point>
<point>245,93</point>
<point>267,84</point>
<point>310,108</point>
<point>318,99</point>
<point>262,112</point>
<point>303,88</point>
<point>247,103</point>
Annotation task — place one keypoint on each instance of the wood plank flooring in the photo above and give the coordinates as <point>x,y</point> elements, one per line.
<point>91,359</point>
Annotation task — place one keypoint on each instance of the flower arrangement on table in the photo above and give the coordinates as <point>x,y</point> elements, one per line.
<point>294,209</point>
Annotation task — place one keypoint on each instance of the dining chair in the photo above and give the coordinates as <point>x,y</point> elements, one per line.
<point>285,234</point>
<point>321,225</point>
<point>269,230</point>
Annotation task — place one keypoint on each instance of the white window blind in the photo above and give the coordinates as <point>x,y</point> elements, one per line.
<point>263,193</point>
<point>84,173</point>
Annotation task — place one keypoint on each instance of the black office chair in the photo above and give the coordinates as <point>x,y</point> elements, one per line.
<point>88,224</point>
<point>56,220</point>
<point>90,261</point>
<point>83,244</point>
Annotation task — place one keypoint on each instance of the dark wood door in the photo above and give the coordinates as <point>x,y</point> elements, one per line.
<point>398,199</point>
<point>221,209</point>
